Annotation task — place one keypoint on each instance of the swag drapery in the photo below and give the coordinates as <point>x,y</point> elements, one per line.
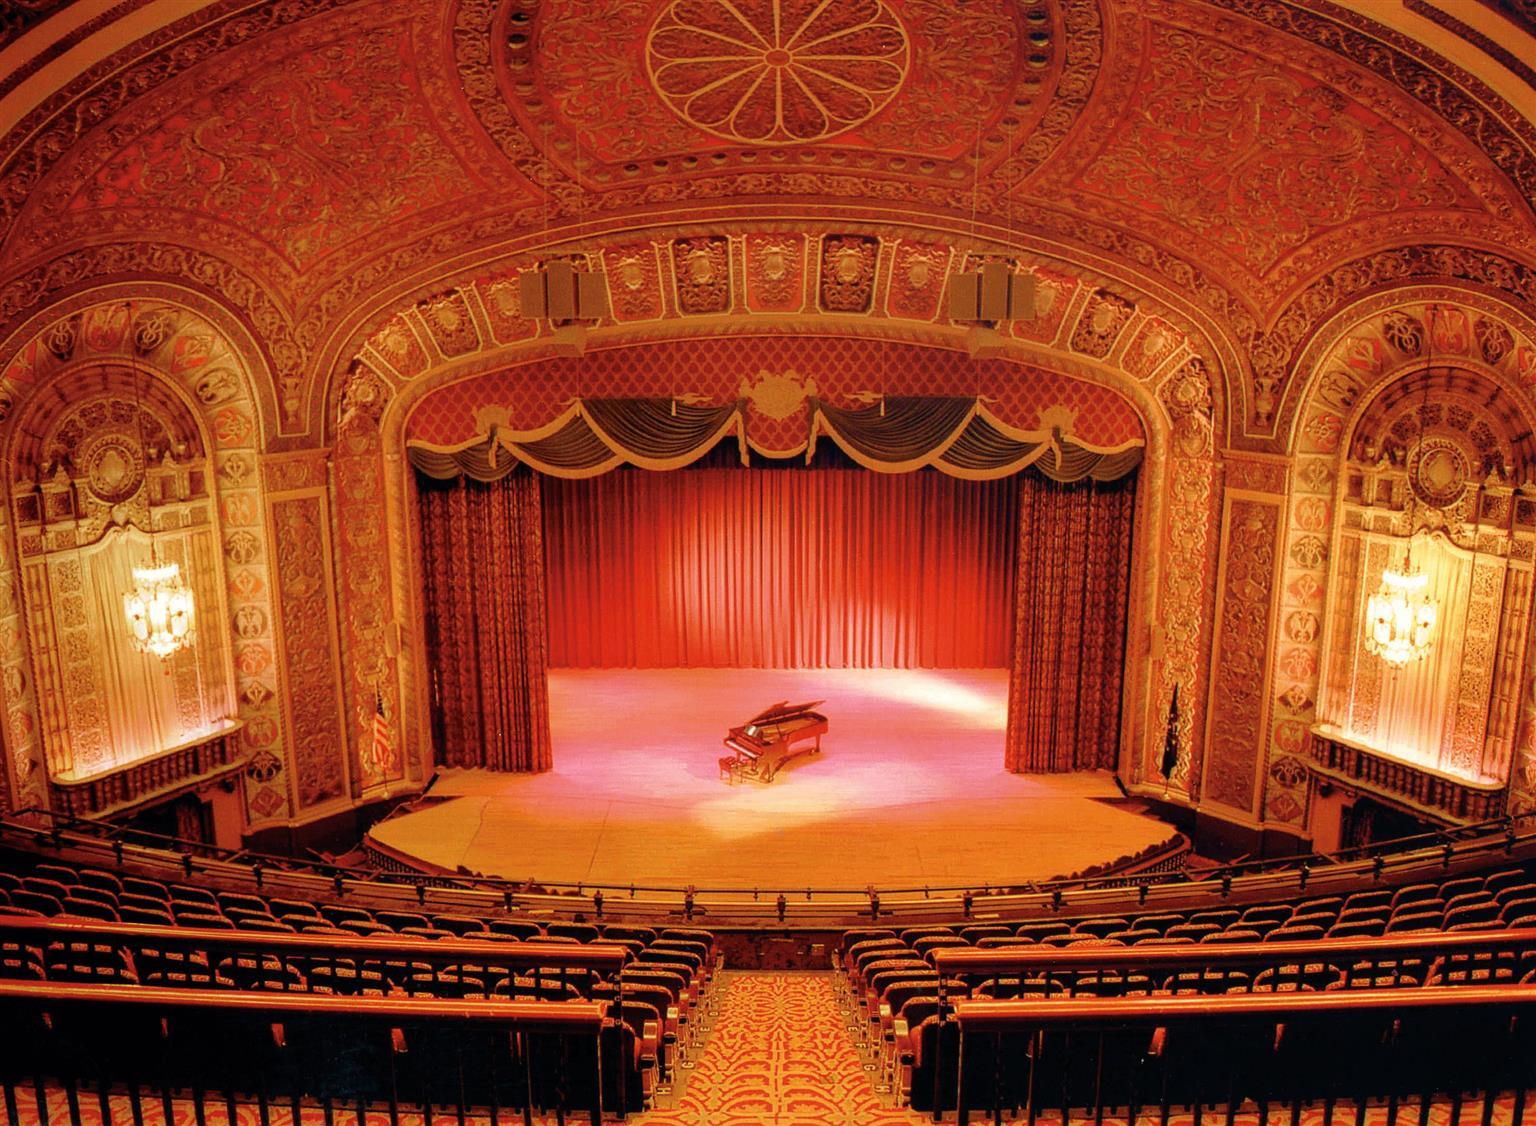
<point>483,561</point>
<point>486,568</point>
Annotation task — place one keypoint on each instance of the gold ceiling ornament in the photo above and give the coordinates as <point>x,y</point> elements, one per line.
<point>1400,617</point>
<point>160,609</point>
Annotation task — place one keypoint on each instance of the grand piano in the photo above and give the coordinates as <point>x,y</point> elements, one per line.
<point>771,738</point>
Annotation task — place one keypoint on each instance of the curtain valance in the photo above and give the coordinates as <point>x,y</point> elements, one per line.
<point>956,435</point>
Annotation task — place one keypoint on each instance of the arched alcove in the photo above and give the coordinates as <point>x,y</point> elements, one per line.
<point>74,388</point>
<point>1432,479</point>
<point>117,474</point>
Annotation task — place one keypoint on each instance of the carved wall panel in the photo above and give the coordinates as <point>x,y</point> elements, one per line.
<point>848,273</point>
<point>368,624</point>
<point>299,517</point>
<point>701,268</point>
<point>776,270</point>
<point>1241,655</point>
<point>634,281</point>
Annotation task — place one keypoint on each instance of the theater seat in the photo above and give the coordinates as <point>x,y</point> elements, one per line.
<point>1276,913</point>
<point>1111,983</point>
<point>343,977</point>
<point>578,932</point>
<point>40,902</point>
<point>103,881</point>
<point>262,972</point>
<point>1161,922</point>
<point>460,925</point>
<point>90,909</point>
<point>1414,893</point>
<point>1236,936</point>
<point>514,928</point>
<point>1207,982</point>
<point>1100,927</point>
<point>1294,932</point>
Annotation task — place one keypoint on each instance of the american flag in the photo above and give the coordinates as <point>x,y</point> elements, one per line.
<point>382,748</point>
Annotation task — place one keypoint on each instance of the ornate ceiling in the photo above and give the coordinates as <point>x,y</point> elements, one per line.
<point>313,170</point>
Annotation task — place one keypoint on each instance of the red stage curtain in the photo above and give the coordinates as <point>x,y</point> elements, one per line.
<point>1074,564</point>
<point>483,559</point>
<point>780,568</point>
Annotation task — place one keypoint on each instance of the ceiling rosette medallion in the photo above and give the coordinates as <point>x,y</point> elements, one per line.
<point>660,92</point>
<point>776,71</point>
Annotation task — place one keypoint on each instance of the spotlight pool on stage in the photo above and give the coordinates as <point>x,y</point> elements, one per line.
<point>909,790</point>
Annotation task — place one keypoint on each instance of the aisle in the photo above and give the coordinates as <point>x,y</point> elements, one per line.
<point>780,1053</point>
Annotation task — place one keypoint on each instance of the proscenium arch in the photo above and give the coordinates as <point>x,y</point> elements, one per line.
<point>1143,695</point>
<point>235,434</point>
<point>1149,296</point>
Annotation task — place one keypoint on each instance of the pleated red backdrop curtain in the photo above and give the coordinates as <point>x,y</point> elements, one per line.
<point>801,567</point>
<point>483,560</point>
<point>1074,566</point>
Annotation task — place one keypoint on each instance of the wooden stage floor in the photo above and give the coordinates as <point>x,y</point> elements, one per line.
<point>909,790</point>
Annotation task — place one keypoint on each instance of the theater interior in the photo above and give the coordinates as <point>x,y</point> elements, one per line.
<point>718,562</point>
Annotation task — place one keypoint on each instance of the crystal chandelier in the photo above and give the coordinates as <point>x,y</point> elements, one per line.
<point>1400,617</point>
<point>160,610</point>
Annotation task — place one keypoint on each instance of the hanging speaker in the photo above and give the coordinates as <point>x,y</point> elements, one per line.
<point>560,286</point>
<point>965,297</point>
<point>591,295</point>
<point>530,294</point>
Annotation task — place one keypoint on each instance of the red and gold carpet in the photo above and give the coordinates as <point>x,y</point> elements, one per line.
<point>780,1053</point>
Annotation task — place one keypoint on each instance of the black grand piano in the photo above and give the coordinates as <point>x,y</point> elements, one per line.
<point>771,738</point>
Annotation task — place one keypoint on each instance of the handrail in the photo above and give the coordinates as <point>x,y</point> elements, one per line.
<point>960,960</point>
<point>976,1015</point>
<point>570,955</point>
<point>542,1016</point>
<point>1247,867</point>
<point>805,904</point>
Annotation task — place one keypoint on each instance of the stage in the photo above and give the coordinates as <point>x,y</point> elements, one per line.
<point>909,790</point>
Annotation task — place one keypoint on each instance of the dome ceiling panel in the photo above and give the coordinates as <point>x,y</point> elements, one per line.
<point>1262,156</point>
<point>299,144</point>
<point>1257,158</point>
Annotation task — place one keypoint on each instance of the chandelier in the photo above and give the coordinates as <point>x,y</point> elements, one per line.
<point>1400,617</point>
<point>160,610</point>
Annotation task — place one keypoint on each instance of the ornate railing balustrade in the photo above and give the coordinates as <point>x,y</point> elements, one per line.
<point>290,1051</point>
<point>118,847</point>
<point>1432,793</point>
<point>1271,1054</point>
<point>194,765</point>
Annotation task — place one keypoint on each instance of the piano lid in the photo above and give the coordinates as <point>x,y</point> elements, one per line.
<point>782,710</point>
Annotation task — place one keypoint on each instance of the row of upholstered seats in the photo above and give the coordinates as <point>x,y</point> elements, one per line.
<point>241,1047</point>
<point>664,979</point>
<point>53,889</point>
<point>892,980</point>
<point>657,1001</point>
<point>1493,901</point>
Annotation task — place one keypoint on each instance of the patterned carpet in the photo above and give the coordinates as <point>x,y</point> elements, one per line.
<point>780,1054</point>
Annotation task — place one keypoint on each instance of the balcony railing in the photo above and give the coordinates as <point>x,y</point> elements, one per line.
<point>1438,795</point>
<point>192,765</point>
